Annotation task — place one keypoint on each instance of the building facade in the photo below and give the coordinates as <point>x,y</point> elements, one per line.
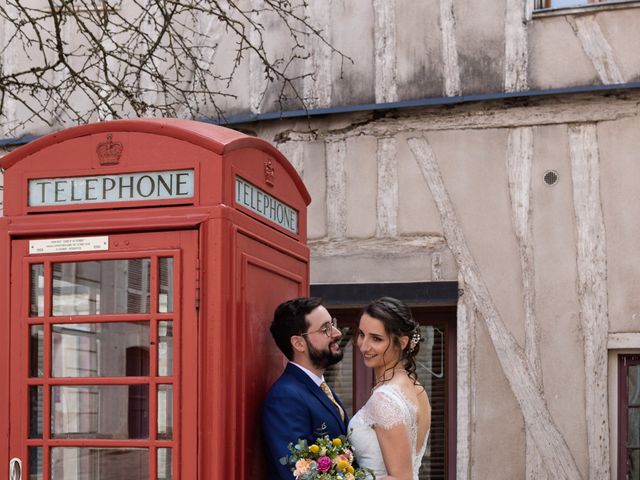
<point>479,159</point>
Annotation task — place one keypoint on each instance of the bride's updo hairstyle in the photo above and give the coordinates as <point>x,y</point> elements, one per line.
<point>398,322</point>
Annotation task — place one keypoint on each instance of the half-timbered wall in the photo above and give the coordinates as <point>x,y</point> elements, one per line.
<point>548,271</point>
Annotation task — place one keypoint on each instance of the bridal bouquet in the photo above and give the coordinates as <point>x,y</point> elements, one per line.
<point>325,459</point>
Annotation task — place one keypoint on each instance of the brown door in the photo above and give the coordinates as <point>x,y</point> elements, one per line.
<point>104,357</point>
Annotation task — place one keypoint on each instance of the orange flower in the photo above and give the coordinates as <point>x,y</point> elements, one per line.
<point>337,442</point>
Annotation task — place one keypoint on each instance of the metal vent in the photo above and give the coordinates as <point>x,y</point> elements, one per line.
<point>550,177</point>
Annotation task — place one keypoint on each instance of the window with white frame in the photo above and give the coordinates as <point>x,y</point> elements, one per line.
<point>573,3</point>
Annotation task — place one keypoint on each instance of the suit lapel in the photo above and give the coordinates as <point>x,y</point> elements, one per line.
<point>319,394</point>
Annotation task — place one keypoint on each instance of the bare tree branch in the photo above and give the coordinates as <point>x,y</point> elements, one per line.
<point>81,60</point>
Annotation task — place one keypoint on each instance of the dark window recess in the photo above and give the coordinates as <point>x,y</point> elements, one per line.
<point>629,417</point>
<point>436,371</point>
<point>138,365</point>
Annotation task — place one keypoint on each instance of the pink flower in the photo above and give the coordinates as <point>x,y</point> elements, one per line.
<point>324,464</point>
<point>349,455</point>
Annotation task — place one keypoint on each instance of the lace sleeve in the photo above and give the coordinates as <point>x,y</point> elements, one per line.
<point>385,410</point>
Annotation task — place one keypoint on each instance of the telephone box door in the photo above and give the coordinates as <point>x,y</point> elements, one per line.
<point>104,357</point>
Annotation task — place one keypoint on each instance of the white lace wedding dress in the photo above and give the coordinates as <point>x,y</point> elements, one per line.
<point>387,407</point>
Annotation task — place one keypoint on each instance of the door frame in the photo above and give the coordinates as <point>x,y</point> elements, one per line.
<point>183,246</point>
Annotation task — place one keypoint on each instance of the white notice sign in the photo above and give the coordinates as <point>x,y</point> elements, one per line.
<point>65,245</point>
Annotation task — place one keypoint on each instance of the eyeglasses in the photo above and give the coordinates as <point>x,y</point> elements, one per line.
<point>326,328</point>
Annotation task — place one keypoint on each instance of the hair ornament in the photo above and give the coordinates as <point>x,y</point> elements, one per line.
<point>415,339</point>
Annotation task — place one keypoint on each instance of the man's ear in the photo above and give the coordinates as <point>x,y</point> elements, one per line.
<point>298,343</point>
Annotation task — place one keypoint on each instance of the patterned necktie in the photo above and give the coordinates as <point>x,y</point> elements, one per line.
<point>325,388</point>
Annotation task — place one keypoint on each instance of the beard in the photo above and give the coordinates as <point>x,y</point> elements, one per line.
<point>321,359</point>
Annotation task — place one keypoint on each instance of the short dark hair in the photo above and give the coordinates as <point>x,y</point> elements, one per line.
<point>289,319</point>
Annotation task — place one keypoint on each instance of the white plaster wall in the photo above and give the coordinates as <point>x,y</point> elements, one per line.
<point>480,38</point>
<point>416,211</point>
<point>619,143</point>
<point>557,305</point>
<point>315,180</point>
<point>419,56</point>
<point>622,33</point>
<point>361,187</point>
<point>556,53</point>
<point>474,161</point>
<point>498,438</point>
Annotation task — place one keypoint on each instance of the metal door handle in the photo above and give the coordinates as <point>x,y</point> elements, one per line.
<point>15,469</point>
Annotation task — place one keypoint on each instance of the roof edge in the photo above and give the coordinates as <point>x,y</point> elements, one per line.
<point>197,133</point>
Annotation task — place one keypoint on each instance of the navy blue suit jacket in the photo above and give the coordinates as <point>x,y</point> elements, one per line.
<point>296,408</point>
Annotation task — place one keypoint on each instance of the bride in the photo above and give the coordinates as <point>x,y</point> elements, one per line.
<point>389,434</point>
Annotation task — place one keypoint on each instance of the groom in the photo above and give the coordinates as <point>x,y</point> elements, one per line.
<point>300,404</point>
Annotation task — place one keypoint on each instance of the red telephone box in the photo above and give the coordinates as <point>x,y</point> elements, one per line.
<point>141,262</point>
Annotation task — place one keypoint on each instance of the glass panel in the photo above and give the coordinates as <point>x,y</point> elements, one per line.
<point>36,351</point>
<point>430,369</point>
<point>99,463</point>
<point>100,411</point>
<point>164,464</point>
<point>109,349</point>
<point>35,463</point>
<point>165,412</point>
<point>165,348</point>
<point>633,376</point>
<point>633,465</point>
<point>165,290</point>
<point>36,404</point>
<point>36,291</point>
<point>574,3</point>
<point>101,287</point>
<point>340,375</point>
<point>633,437</point>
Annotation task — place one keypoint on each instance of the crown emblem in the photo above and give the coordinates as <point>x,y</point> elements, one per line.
<point>109,152</point>
<point>269,172</point>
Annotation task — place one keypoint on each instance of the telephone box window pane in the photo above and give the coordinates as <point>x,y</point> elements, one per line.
<point>633,465</point>
<point>165,412</point>
<point>35,463</point>
<point>100,411</point>
<point>36,351</point>
<point>164,464</point>
<point>633,377</point>
<point>633,437</point>
<point>35,411</point>
<point>101,287</point>
<point>165,290</point>
<point>99,463</point>
<point>106,349</point>
<point>36,291</point>
<point>165,348</point>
